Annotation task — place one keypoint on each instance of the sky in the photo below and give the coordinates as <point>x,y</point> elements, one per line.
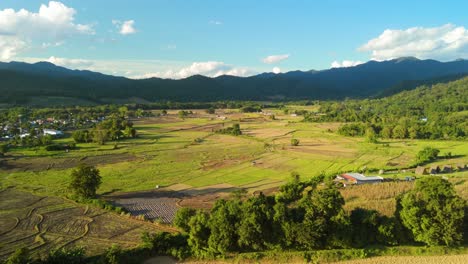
<point>179,38</point>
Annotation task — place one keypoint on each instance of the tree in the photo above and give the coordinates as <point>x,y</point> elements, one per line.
<point>210,110</point>
<point>256,230</point>
<point>399,132</point>
<point>371,136</point>
<point>3,149</point>
<point>433,212</point>
<point>68,256</point>
<point>81,136</point>
<point>223,223</point>
<point>85,181</point>
<point>325,223</point>
<point>427,154</point>
<point>199,234</point>
<point>386,132</point>
<point>182,114</point>
<point>100,136</point>
<point>182,218</point>
<point>294,142</point>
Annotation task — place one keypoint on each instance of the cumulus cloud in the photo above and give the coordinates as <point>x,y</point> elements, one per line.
<point>53,23</point>
<point>345,63</point>
<point>125,27</point>
<point>446,42</point>
<point>209,68</point>
<point>275,58</point>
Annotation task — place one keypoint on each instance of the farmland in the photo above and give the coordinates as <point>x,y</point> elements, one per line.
<point>192,166</point>
<point>44,223</point>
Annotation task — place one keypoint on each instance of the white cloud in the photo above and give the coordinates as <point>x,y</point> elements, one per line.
<point>53,23</point>
<point>71,63</point>
<point>275,58</point>
<point>125,27</point>
<point>209,68</point>
<point>446,42</point>
<point>276,70</point>
<point>345,63</point>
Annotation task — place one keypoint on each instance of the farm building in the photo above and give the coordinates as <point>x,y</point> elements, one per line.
<point>434,169</point>
<point>420,171</point>
<point>52,132</point>
<point>357,178</point>
<point>446,169</point>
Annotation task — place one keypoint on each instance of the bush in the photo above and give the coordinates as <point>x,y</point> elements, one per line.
<point>58,147</point>
<point>66,256</point>
<point>294,142</point>
<point>427,154</point>
<point>21,256</point>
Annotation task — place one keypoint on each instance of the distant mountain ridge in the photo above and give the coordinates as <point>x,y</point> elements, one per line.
<point>20,82</point>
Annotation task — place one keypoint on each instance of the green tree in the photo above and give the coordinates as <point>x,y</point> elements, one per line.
<point>182,114</point>
<point>399,132</point>
<point>256,230</point>
<point>100,136</point>
<point>210,110</point>
<point>427,154</point>
<point>386,132</point>
<point>325,224</point>
<point>182,218</point>
<point>371,136</point>
<point>223,223</point>
<point>294,142</point>
<point>66,256</point>
<point>433,212</point>
<point>85,180</point>
<point>199,234</point>
<point>3,149</point>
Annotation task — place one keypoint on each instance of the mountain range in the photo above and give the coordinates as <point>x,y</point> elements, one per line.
<point>22,83</point>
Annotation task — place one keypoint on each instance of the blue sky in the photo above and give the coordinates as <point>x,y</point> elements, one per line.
<point>176,38</point>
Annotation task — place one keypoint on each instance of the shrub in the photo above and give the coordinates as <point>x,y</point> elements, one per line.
<point>294,142</point>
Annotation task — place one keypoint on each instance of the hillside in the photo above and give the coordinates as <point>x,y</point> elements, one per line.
<point>427,112</point>
<point>20,82</point>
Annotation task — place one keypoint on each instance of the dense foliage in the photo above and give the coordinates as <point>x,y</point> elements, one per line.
<point>434,213</point>
<point>436,112</point>
<point>85,180</point>
<point>233,130</point>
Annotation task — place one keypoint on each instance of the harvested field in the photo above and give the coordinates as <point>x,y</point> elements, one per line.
<point>162,204</point>
<point>452,259</point>
<point>19,163</point>
<point>45,223</point>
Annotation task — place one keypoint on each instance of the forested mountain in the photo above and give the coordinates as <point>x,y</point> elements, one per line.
<point>20,82</point>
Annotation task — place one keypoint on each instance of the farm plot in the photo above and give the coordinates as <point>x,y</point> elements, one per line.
<point>45,223</point>
<point>153,205</point>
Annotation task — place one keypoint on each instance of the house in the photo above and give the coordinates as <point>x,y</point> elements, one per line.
<point>446,169</point>
<point>52,132</point>
<point>434,169</point>
<point>357,178</point>
<point>420,171</point>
